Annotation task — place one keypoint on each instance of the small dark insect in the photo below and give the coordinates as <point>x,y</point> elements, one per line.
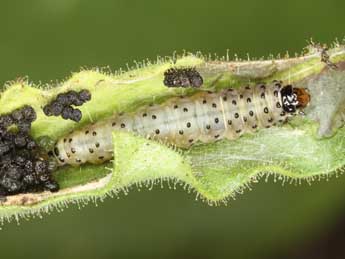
<point>62,105</point>
<point>182,77</point>
<point>326,59</point>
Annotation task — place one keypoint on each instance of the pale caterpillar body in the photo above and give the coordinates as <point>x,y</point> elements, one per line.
<point>204,116</point>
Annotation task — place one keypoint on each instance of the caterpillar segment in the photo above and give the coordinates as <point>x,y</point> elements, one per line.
<point>204,117</point>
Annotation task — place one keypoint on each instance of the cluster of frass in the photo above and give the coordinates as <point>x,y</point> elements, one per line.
<point>21,167</point>
<point>62,105</point>
<point>182,77</point>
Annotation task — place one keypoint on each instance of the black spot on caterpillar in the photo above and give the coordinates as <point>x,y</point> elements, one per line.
<point>62,105</point>
<point>182,77</point>
<point>204,116</point>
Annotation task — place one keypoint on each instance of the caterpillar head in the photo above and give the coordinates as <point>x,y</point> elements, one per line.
<point>303,97</point>
<point>294,98</point>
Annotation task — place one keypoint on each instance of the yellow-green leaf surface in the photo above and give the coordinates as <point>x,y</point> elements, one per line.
<point>216,171</point>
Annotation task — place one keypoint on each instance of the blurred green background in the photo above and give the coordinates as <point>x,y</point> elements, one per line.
<point>48,39</point>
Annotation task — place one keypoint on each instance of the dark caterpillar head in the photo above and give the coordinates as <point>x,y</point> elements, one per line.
<point>294,98</point>
<point>182,77</point>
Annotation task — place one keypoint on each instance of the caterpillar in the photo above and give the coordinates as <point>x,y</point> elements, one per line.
<point>182,121</point>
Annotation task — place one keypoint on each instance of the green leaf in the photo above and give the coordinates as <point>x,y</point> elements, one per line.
<point>139,160</point>
<point>216,171</point>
